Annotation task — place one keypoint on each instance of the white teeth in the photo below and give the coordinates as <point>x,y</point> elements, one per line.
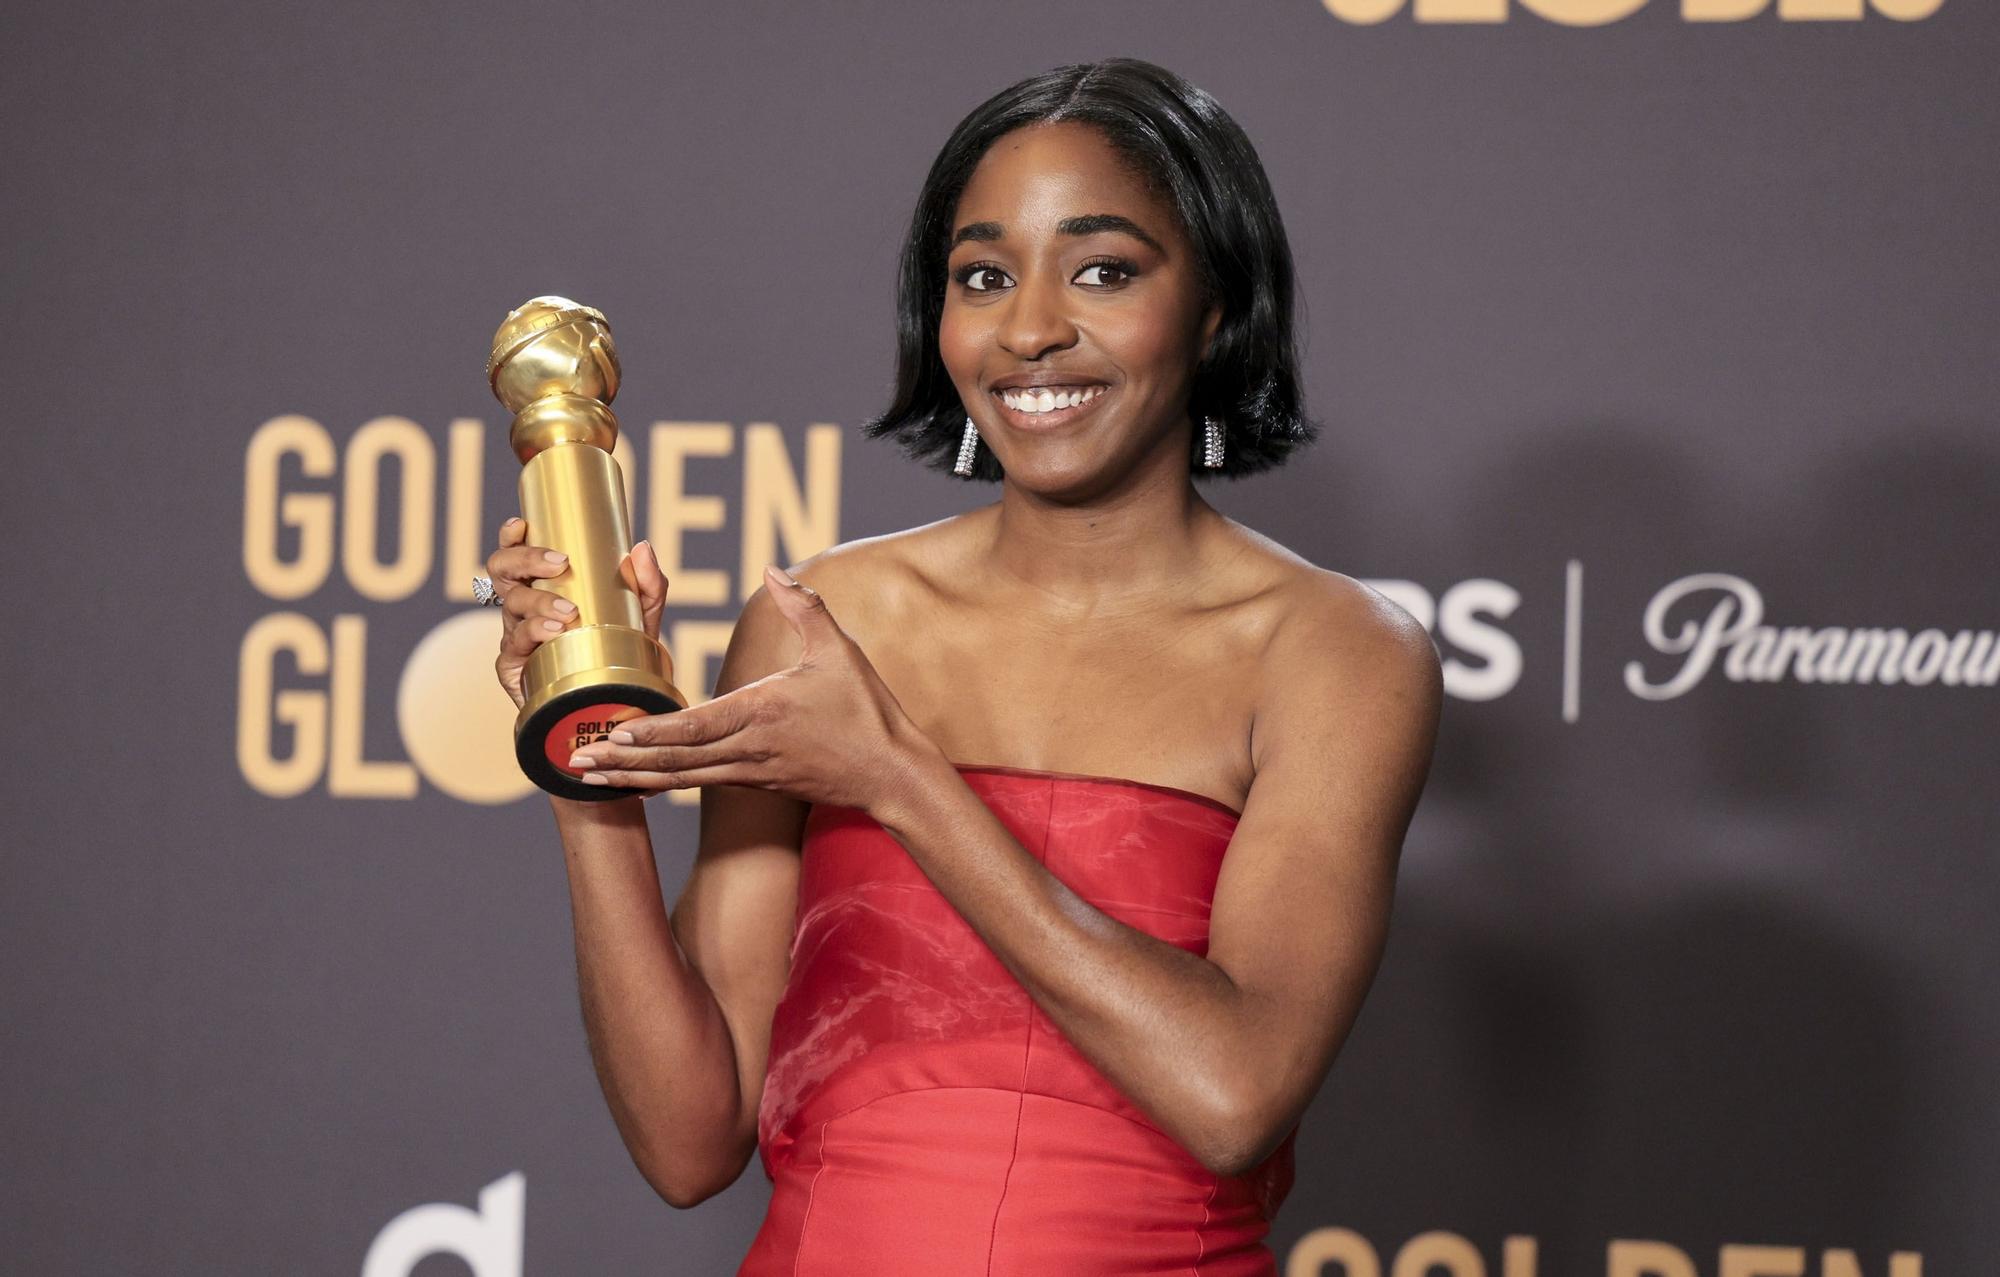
<point>1046,400</point>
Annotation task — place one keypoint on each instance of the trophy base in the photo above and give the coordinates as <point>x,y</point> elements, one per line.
<point>545,738</point>
<point>584,683</point>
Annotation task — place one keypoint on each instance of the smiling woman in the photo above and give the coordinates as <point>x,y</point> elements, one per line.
<point>1191,223</point>
<point>1036,893</point>
<point>1028,279</point>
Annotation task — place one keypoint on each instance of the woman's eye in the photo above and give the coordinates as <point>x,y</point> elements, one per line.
<point>1119,273</point>
<point>969,275</point>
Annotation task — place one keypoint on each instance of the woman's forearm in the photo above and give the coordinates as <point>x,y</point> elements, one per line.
<point>1167,1027</point>
<point>658,1039</point>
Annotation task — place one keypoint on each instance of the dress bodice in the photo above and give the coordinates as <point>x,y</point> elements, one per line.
<point>921,1114</point>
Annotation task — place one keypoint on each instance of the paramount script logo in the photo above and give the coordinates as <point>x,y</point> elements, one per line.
<point>1757,653</point>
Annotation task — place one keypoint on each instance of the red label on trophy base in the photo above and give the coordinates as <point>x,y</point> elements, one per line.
<point>580,727</point>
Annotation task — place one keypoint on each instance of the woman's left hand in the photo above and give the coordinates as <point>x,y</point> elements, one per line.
<point>827,730</point>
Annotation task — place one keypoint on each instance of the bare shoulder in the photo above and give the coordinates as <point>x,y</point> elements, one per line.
<point>1334,648</point>
<point>1334,620</point>
<point>874,584</point>
<point>879,572</point>
<point>1313,612</point>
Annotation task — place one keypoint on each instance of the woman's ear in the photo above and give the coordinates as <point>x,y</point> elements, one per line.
<point>1210,321</point>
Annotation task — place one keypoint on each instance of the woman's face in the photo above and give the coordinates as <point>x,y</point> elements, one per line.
<point>1069,282</point>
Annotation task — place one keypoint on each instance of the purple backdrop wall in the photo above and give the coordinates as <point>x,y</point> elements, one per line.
<point>1614,311</point>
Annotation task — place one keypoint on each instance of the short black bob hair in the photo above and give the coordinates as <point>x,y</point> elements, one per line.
<point>1182,140</point>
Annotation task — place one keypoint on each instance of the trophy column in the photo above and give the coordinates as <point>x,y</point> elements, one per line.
<point>554,367</point>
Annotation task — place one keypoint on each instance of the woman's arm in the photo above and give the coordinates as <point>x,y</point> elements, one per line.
<point>677,1012</point>
<point>1225,1051</point>
<point>658,1038</point>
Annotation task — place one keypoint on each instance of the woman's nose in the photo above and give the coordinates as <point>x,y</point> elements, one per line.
<point>1036,321</point>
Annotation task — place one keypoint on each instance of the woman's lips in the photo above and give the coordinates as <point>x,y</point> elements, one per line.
<point>1047,420</point>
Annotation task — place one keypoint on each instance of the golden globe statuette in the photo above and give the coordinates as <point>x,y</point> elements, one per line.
<point>554,367</point>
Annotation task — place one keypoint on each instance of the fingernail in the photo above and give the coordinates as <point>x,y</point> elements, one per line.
<point>555,556</point>
<point>592,778</point>
<point>551,625</point>
<point>621,737</point>
<point>511,522</point>
<point>647,543</point>
<point>784,577</point>
<point>565,606</point>
<point>583,761</point>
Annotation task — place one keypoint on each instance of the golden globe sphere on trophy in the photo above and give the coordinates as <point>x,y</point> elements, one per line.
<point>553,366</point>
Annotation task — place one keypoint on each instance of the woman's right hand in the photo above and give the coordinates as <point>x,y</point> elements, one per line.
<point>531,617</point>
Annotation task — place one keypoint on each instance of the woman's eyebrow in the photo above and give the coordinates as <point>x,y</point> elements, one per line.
<point>981,232</point>
<point>1087,224</point>
<point>1092,223</point>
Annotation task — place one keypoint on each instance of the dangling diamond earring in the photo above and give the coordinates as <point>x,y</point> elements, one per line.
<point>967,447</point>
<point>1211,443</point>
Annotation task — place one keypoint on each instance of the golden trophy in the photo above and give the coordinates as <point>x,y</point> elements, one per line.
<point>554,367</point>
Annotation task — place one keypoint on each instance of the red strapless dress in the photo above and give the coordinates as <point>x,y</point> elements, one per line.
<point>921,1115</point>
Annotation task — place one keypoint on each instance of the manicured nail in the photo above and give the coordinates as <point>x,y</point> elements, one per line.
<point>551,624</point>
<point>566,607</point>
<point>784,577</point>
<point>555,556</point>
<point>583,762</point>
<point>621,737</point>
<point>592,778</point>
<point>511,522</point>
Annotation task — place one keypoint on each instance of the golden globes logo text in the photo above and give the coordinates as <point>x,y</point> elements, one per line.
<point>1597,13</point>
<point>1441,1253</point>
<point>318,514</point>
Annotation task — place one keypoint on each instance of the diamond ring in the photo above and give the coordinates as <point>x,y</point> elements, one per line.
<point>483,591</point>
